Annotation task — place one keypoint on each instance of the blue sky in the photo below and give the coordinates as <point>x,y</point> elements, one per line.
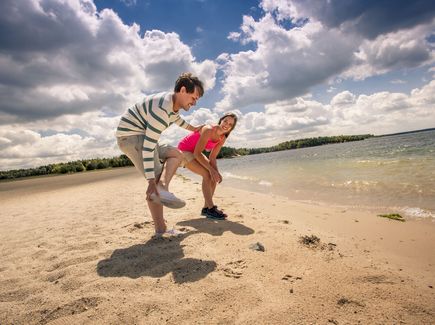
<point>289,68</point>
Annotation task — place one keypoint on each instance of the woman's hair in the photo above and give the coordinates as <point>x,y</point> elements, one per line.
<point>234,116</point>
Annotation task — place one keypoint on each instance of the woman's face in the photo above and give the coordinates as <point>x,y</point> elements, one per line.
<point>227,124</point>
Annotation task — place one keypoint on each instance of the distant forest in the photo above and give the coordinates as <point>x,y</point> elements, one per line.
<point>79,166</point>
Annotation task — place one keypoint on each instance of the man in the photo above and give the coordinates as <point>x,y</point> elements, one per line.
<point>138,134</point>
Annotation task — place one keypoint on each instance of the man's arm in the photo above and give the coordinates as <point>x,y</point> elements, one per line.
<point>182,123</point>
<point>157,122</point>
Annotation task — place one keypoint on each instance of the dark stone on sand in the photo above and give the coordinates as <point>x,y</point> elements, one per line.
<point>257,247</point>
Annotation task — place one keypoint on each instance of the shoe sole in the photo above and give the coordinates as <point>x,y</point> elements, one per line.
<point>173,204</point>
<point>213,217</point>
<point>169,202</point>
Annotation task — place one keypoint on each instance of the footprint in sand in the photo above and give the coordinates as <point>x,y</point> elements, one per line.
<point>73,308</point>
<point>137,225</point>
<point>291,278</point>
<point>377,279</point>
<point>15,295</point>
<point>55,276</point>
<point>234,269</point>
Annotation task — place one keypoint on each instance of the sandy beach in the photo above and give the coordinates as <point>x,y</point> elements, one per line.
<point>78,249</point>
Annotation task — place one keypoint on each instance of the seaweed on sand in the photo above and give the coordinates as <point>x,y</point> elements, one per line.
<point>392,216</point>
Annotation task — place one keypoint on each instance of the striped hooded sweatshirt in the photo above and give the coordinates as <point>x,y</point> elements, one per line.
<point>150,118</point>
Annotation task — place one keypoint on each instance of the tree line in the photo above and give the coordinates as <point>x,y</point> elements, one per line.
<point>79,166</point>
<point>228,152</point>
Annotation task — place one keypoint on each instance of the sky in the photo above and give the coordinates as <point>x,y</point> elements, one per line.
<point>290,69</point>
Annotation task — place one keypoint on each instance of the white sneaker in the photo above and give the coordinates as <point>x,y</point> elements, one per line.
<point>169,233</point>
<point>167,199</point>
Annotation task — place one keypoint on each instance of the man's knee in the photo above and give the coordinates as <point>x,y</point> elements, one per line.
<point>174,153</point>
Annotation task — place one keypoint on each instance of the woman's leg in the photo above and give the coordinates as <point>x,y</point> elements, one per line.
<point>213,187</point>
<point>207,187</point>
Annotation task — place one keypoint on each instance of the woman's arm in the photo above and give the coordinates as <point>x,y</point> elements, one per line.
<point>206,133</point>
<point>215,152</point>
<point>213,155</point>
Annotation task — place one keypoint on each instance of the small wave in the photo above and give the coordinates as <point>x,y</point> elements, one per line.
<point>381,162</point>
<point>357,185</point>
<point>417,213</point>
<point>245,178</point>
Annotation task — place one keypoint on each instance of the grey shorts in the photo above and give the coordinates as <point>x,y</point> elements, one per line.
<point>132,147</point>
<point>187,158</point>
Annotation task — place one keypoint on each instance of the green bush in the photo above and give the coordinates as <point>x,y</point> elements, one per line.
<point>91,165</point>
<point>79,167</point>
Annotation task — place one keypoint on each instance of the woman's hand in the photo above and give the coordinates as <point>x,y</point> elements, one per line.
<point>220,176</point>
<point>215,175</point>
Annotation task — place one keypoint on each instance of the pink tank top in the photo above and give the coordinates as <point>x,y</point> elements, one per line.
<point>188,143</point>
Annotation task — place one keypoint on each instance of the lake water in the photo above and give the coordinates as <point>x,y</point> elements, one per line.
<point>392,172</point>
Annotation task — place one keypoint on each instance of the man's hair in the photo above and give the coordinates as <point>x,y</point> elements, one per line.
<point>190,82</point>
<point>230,114</point>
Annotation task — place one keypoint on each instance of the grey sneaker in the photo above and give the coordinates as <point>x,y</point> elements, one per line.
<point>213,213</point>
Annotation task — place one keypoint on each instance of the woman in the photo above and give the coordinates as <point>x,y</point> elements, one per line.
<point>209,138</point>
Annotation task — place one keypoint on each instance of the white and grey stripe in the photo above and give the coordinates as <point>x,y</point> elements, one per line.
<point>150,118</point>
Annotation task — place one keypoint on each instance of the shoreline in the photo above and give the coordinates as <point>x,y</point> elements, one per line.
<point>410,212</point>
<point>80,251</point>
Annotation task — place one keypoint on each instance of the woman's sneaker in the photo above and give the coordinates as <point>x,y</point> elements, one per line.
<point>213,213</point>
<point>220,211</point>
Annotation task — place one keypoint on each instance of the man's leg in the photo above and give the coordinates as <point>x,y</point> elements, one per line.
<point>172,159</point>
<point>157,215</point>
<point>132,147</point>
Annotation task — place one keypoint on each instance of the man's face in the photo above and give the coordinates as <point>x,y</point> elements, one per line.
<point>188,99</point>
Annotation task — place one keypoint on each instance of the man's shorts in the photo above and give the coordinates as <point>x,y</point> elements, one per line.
<point>187,158</point>
<point>132,146</point>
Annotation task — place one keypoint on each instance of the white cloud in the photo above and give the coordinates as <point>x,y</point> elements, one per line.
<point>68,71</point>
<point>345,98</point>
<point>69,59</point>
<point>129,3</point>
<point>396,50</point>
<point>285,64</point>
<point>346,113</point>
<point>70,137</point>
<point>318,48</point>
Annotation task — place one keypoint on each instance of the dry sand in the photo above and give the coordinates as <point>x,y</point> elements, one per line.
<point>77,249</point>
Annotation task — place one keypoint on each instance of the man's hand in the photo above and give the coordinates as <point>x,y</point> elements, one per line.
<point>198,128</point>
<point>152,188</point>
